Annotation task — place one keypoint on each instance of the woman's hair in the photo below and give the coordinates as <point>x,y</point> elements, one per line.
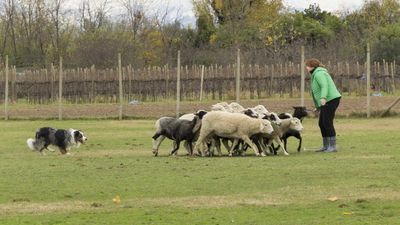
<point>313,63</point>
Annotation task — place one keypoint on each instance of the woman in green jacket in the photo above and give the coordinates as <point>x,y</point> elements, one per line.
<point>326,99</point>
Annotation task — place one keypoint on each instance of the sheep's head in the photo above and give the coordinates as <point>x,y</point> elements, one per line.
<point>300,112</point>
<point>273,117</point>
<point>285,116</point>
<point>250,112</point>
<point>266,127</point>
<point>295,124</point>
<point>260,109</point>
<point>201,113</point>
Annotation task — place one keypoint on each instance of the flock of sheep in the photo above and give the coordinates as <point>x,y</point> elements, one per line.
<point>235,126</point>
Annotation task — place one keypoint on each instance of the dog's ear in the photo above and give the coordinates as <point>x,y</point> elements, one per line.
<point>77,134</point>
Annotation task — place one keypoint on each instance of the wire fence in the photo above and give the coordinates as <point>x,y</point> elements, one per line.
<point>123,85</point>
<point>91,85</point>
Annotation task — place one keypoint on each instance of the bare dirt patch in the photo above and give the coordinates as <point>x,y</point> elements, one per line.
<point>262,199</point>
<point>157,109</point>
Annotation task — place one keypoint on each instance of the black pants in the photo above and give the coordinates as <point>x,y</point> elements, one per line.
<point>326,116</point>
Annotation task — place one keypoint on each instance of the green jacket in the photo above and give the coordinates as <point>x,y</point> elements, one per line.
<point>322,86</point>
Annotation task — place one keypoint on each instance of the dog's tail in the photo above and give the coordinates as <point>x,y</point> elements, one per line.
<point>31,144</point>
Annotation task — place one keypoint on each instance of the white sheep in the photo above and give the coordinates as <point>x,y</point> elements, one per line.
<point>231,125</point>
<point>279,130</point>
<point>221,106</point>
<point>236,107</point>
<point>260,109</point>
<point>271,116</point>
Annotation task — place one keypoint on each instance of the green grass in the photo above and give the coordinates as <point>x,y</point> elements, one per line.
<point>117,160</point>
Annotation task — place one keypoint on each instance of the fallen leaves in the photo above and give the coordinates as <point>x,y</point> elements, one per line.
<point>116,200</point>
<point>333,199</point>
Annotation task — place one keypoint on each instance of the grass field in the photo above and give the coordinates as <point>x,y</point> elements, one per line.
<point>55,189</point>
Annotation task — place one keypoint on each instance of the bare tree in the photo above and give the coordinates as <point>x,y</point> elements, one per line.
<point>135,11</point>
<point>9,7</point>
<point>93,18</point>
<point>54,9</point>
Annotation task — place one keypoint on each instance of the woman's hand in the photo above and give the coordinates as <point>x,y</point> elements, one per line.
<point>323,101</point>
<point>316,112</point>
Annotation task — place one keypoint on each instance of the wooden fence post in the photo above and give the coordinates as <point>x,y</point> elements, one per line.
<point>129,72</point>
<point>368,81</point>
<point>357,75</point>
<point>348,78</point>
<point>271,84</point>
<point>52,78</point>
<point>178,84</point>
<point>238,76</point>
<point>302,77</point>
<point>120,86</point>
<point>386,112</point>
<point>60,90</point>
<point>393,81</point>
<point>201,82</point>
<point>6,91</point>
<point>13,87</point>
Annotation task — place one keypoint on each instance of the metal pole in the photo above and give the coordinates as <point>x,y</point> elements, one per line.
<point>238,77</point>
<point>368,81</point>
<point>120,86</point>
<point>302,76</point>
<point>6,92</point>
<point>178,84</point>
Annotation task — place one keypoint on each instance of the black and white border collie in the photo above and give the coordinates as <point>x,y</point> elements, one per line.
<point>63,139</point>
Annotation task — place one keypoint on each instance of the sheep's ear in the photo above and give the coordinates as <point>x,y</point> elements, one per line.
<point>197,124</point>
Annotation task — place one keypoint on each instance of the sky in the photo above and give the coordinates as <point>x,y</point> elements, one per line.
<point>327,5</point>
<point>184,8</point>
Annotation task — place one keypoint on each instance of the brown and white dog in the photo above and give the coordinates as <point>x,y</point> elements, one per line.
<point>63,139</point>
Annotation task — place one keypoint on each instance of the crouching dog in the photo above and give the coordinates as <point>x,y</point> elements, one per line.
<point>63,139</point>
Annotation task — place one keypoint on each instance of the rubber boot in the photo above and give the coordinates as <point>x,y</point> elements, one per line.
<point>331,145</point>
<point>325,144</point>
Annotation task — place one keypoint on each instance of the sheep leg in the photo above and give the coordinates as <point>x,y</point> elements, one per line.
<point>176,147</point>
<point>173,146</point>
<point>263,148</point>
<point>279,141</point>
<point>218,146</point>
<point>199,147</point>
<point>238,146</point>
<point>157,143</point>
<point>242,148</point>
<point>298,136</point>
<point>252,145</point>
<point>235,142</point>
<point>188,147</point>
<point>212,146</point>
<point>285,142</point>
<point>156,135</point>
<point>225,143</point>
<point>270,146</point>
<point>274,150</point>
